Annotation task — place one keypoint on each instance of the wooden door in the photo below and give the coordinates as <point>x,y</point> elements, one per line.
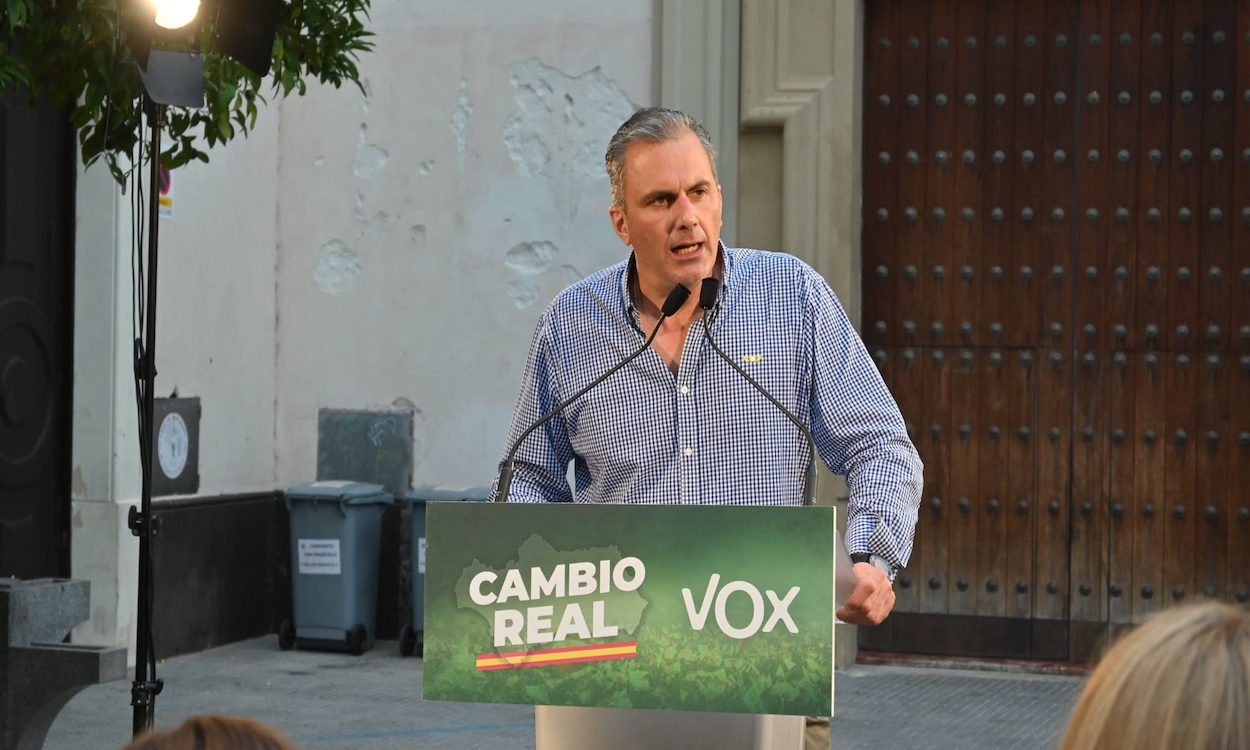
<point>37,172</point>
<point>1056,239</point>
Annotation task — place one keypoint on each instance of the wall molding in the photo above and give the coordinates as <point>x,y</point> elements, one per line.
<point>697,73</point>
<point>801,74</point>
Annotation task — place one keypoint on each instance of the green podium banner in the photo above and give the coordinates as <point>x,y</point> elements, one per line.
<point>676,607</point>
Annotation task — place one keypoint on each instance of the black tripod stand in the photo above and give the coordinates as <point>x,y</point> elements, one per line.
<point>146,685</point>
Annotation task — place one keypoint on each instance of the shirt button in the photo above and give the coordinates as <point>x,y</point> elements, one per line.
<point>684,389</point>
<point>689,451</point>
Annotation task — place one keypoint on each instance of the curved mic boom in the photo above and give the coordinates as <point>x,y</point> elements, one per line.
<point>672,304</point>
<point>707,300</point>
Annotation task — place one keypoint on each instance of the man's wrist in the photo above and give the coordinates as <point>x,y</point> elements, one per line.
<point>878,562</point>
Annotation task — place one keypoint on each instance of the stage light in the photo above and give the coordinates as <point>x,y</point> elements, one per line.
<point>244,30</point>
<point>174,14</point>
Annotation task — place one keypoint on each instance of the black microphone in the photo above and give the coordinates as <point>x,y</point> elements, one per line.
<point>676,299</point>
<point>707,300</point>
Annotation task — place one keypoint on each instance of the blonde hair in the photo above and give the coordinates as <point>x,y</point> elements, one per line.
<point>213,733</point>
<point>1181,680</point>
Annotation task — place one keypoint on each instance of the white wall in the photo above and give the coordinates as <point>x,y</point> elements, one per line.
<point>356,251</point>
<point>424,226</point>
<point>215,340</point>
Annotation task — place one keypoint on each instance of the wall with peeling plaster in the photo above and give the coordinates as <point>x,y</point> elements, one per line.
<point>424,225</point>
<point>216,309</point>
<point>216,339</point>
<point>358,251</point>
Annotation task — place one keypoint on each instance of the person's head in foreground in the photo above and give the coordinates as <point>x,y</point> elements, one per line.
<point>213,733</point>
<point>1180,681</point>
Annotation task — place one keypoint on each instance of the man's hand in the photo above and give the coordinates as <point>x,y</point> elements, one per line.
<point>871,601</point>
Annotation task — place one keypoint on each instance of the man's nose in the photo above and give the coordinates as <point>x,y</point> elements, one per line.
<point>686,215</point>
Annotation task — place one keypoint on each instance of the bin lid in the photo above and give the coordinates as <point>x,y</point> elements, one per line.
<point>353,493</point>
<point>439,494</point>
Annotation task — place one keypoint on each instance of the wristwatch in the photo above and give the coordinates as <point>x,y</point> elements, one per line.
<point>878,562</point>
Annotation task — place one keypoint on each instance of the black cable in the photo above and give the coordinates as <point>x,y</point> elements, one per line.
<point>711,308</point>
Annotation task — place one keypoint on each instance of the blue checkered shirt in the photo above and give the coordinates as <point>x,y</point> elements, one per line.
<point>705,435</point>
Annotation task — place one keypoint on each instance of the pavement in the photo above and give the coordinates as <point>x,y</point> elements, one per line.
<point>326,701</point>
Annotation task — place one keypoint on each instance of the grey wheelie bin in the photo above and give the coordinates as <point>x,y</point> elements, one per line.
<point>336,530</point>
<point>412,637</point>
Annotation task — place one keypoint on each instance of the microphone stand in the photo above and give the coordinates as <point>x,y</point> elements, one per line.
<point>672,304</point>
<point>146,685</point>
<point>707,300</point>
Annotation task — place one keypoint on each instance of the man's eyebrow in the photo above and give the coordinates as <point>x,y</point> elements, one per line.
<point>651,196</point>
<point>671,194</point>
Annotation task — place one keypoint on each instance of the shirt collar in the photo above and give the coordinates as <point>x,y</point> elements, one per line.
<point>629,275</point>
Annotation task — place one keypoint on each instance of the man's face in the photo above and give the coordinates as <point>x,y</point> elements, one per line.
<point>672,214</point>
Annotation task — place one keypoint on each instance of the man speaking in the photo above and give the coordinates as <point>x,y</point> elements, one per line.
<point>695,373</point>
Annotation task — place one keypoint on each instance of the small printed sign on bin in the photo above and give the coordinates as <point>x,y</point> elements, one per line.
<point>319,557</point>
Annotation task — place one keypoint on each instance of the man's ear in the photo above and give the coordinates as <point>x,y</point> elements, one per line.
<point>620,223</point>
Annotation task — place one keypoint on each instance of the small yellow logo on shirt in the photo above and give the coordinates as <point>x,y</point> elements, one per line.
<point>751,358</point>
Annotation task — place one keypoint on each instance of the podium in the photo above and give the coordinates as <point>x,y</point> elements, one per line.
<point>568,728</point>
<point>633,626</point>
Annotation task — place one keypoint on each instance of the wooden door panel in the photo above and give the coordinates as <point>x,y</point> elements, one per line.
<point>1181,474</point>
<point>906,394</point>
<point>934,443</point>
<point>933,328</point>
<point>1185,185</point>
<point>881,164</point>
<point>1238,567</point>
<point>1066,230</point>
<point>1019,505</point>
<point>925,575</point>
<point>1060,106</point>
<point>37,168</point>
<point>1092,108</point>
<point>968,160</point>
<point>1089,490</point>
<point>1240,157</point>
<point>913,172</point>
<point>967,533</point>
<point>1051,587</point>
<point>997,246</point>
<point>1121,520</point>
<point>1149,506</point>
<point>1024,319</point>
<point>1154,213</point>
<point>1215,209</point>
<point>1211,490</point>
<point>1124,102</point>
<point>986,504</point>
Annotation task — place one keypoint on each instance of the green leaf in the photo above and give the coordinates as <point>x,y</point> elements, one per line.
<point>75,57</point>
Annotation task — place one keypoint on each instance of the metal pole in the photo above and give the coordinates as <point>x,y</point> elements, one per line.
<point>146,687</point>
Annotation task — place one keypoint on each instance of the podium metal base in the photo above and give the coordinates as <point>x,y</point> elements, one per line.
<point>574,728</point>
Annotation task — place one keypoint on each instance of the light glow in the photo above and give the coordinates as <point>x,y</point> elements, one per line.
<point>174,14</point>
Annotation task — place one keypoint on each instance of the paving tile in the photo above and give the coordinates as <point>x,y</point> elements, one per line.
<point>327,701</point>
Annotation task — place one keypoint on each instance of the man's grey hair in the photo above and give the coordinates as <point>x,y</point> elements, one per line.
<point>651,125</point>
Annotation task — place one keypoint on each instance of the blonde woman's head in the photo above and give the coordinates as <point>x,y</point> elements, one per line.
<point>1181,680</point>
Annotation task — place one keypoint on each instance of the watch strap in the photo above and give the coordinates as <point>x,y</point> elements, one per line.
<point>877,561</point>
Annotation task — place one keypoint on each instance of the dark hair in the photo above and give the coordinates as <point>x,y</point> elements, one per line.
<point>213,733</point>
<point>650,125</point>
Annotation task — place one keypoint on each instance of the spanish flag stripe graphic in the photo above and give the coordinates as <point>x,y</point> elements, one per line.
<point>562,649</point>
<point>552,656</point>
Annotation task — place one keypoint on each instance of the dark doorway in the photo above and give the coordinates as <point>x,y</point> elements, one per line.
<point>37,177</point>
